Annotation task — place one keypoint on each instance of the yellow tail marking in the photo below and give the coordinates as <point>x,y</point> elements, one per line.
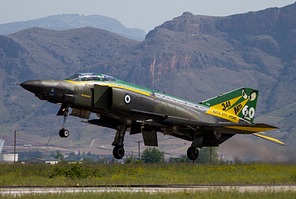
<point>224,106</point>
<point>223,114</point>
<point>238,108</point>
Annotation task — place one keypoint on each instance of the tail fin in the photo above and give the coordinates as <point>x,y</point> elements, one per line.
<point>234,105</point>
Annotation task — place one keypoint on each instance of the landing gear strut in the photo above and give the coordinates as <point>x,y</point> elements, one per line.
<point>64,133</point>
<point>118,151</point>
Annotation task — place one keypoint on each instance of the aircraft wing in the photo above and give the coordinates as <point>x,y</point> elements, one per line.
<point>157,121</point>
<point>239,128</point>
<point>222,127</point>
<point>229,128</point>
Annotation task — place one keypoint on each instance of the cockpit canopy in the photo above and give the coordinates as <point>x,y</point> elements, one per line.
<point>91,77</point>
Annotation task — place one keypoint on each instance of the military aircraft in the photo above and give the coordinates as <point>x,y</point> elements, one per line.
<point>124,106</point>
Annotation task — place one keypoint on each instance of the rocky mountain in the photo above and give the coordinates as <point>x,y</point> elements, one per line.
<point>193,57</point>
<point>71,21</point>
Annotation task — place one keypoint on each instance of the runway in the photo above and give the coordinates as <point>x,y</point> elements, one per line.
<point>148,189</point>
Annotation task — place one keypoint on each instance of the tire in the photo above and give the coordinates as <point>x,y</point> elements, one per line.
<point>192,153</point>
<point>64,133</point>
<point>118,152</point>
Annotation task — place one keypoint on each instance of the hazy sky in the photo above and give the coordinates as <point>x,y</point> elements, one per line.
<point>143,14</point>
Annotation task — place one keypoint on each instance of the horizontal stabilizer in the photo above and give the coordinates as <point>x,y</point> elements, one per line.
<point>269,138</point>
<point>249,128</point>
<point>253,129</point>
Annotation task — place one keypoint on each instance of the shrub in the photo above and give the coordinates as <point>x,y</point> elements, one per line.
<point>74,171</point>
<point>152,155</point>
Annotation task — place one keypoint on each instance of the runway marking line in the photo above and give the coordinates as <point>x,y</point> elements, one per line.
<point>147,189</point>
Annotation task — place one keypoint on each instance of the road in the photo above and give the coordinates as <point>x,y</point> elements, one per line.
<point>17,191</point>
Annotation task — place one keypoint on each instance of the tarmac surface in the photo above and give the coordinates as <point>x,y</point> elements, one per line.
<point>18,191</point>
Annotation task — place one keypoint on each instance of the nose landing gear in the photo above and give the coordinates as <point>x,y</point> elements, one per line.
<point>64,110</point>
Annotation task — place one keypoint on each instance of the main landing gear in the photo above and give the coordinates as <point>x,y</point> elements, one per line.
<point>118,151</point>
<point>193,151</point>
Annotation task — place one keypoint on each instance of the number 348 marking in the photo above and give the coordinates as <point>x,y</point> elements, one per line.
<point>225,105</point>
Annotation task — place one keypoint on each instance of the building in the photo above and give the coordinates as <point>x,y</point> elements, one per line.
<point>9,157</point>
<point>49,160</point>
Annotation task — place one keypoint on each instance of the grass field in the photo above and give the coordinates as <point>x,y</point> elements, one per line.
<point>145,174</point>
<point>197,195</point>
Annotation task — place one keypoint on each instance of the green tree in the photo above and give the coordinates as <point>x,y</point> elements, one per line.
<point>152,155</point>
<point>57,155</point>
<point>181,159</point>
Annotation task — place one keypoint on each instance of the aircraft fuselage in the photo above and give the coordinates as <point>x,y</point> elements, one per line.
<point>117,98</point>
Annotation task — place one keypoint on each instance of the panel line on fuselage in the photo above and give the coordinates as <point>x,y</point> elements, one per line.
<point>164,97</point>
<point>146,92</point>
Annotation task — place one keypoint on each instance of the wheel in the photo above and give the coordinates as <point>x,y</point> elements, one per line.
<point>118,152</point>
<point>64,133</point>
<point>192,153</point>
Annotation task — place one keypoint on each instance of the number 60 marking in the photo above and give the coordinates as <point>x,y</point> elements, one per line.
<point>248,112</point>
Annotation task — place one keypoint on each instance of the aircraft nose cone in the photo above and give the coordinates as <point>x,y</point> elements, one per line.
<point>34,86</point>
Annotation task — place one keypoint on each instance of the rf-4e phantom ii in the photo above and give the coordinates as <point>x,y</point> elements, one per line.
<point>126,107</point>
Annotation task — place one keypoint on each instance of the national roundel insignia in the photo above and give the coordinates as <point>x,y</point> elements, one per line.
<point>127,99</point>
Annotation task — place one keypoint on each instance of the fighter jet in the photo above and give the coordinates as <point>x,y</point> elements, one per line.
<point>123,107</point>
